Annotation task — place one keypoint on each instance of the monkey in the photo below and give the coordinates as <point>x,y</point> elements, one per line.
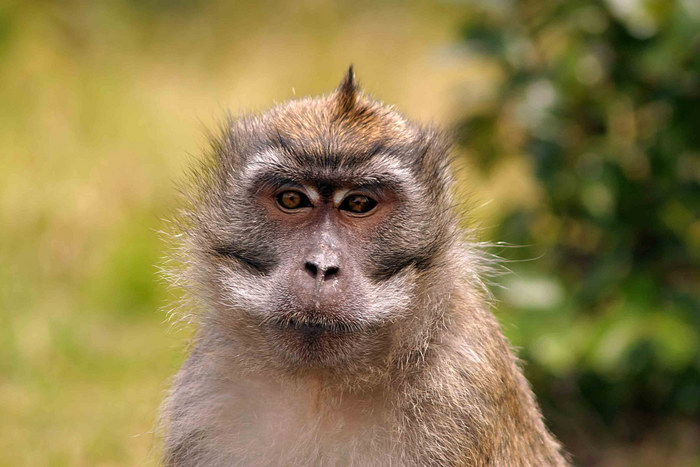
<point>341,311</point>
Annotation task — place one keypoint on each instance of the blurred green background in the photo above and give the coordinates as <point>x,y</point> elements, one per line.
<point>578,149</point>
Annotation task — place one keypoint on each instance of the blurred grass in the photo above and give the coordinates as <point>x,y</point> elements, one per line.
<point>102,106</point>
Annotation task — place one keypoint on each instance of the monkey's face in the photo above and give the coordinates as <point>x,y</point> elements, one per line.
<point>315,227</point>
<point>322,298</point>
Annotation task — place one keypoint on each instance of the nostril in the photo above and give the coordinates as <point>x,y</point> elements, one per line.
<point>320,272</point>
<point>311,269</point>
<point>331,272</point>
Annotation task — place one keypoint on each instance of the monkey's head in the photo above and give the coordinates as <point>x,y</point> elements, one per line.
<point>314,229</point>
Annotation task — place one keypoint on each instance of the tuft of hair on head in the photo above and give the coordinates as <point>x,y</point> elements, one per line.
<point>346,93</point>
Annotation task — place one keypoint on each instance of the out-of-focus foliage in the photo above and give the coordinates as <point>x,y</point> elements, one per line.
<point>603,101</point>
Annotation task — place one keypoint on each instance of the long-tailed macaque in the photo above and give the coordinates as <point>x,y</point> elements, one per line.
<point>341,315</point>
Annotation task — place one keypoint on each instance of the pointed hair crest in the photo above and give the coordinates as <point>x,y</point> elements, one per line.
<point>346,93</point>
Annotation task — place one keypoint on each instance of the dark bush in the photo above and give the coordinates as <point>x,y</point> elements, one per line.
<point>603,100</point>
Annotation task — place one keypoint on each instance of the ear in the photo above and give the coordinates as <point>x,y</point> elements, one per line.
<point>346,93</point>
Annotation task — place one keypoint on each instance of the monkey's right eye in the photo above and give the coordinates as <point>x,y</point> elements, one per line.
<point>292,199</point>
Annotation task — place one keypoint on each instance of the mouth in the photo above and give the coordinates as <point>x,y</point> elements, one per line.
<point>314,326</point>
<point>315,338</point>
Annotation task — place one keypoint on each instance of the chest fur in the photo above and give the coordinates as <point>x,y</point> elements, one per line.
<point>262,423</point>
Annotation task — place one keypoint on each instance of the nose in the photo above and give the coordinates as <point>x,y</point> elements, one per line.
<point>321,270</point>
<point>322,259</point>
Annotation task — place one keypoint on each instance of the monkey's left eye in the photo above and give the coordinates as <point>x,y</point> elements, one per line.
<point>292,199</point>
<point>358,204</point>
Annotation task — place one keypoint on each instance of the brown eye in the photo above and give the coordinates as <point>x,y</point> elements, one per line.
<point>358,204</point>
<point>292,199</point>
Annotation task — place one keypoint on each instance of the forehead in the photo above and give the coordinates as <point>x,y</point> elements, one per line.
<point>309,141</point>
<point>315,131</point>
